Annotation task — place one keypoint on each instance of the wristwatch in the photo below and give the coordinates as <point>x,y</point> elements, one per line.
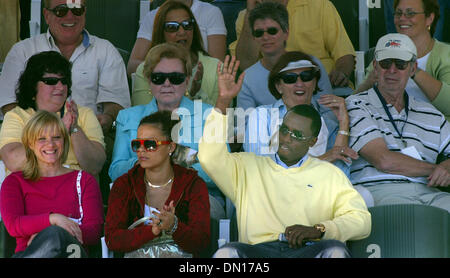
<point>320,228</point>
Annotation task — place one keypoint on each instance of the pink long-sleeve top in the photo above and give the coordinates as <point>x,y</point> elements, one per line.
<point>25,205</point>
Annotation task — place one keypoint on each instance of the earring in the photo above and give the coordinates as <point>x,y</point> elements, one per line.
<point>186,93</point>
<point>170,154</point>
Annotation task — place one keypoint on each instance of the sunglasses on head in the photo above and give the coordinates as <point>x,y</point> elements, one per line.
<point>54,80</point>
<point>173,26</point>
<point>175,78</point>
<point>260,32</point>
<point>295,134</point>
<point>62,10</point>
<point>291,77</point>
<point>399,64</point>
<point>150,145</point>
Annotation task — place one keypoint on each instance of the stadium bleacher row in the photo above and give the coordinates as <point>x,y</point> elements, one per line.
<point>397,230</point>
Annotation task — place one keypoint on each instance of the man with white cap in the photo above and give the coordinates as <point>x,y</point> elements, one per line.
<point>403,144</point>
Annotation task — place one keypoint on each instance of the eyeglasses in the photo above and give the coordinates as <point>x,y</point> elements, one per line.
<point>175,78</point>
<point>295,134</point>
<point>150,145</point>
<point>291,77</point>
<point>407,13</point>
<point>399,64</point>
<point>260,32</point>
<point>62,10</point>
<point>173,26</point>
<point>54,80</point>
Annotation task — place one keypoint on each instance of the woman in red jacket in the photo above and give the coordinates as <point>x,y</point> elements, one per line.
<point>174,198</point>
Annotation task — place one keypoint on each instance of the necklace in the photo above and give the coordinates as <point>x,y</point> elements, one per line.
<point>156,185</point>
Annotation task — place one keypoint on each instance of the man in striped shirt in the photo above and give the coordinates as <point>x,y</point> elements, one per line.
<point>397,137</point>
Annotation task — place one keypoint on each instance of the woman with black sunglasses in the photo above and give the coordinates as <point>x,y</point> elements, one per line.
<point>292,81</point>
<point>171,200</point>
<point>175,22</point>
<point>168,68</point>
<point>45,85</point>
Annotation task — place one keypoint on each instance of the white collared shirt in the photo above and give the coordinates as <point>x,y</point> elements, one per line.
<point>98,71</point>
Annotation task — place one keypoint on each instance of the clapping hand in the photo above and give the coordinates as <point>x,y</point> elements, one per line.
<point>164,220</point>
<point>197,81</point>
<point>70,118</point>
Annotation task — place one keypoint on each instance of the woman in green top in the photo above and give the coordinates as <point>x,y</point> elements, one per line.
<point>431,83</point>
<point>175,22</point>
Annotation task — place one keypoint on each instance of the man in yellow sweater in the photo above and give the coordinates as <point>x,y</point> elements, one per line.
<point>301,200</point>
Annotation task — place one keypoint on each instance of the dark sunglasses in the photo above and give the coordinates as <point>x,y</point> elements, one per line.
<point>62,10</point>
<point>295,134</point>
<point>173,26</point>
<point>291,77</point>
<point>175,78</point>
<point>54,80</point>
<point>260,32</point>
<point>399,64</point>
<point>150,145</point>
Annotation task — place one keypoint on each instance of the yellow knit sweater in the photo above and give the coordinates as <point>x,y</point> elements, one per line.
<point>269,198</point>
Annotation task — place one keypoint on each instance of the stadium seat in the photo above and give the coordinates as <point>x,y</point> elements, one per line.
<point>359,68</point>
<point>446,15</point>
<point>405,231</point>
<point>349,11</point>
<point>7,242</point>
<point>230,10</point>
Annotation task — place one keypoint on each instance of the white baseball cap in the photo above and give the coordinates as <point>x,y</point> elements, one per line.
<point>300,64</point>
<point>395,46</point>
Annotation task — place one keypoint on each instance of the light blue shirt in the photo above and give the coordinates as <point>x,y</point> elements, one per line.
<point>278,161</point>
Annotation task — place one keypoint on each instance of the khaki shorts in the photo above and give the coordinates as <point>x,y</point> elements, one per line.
<point>409,193</point>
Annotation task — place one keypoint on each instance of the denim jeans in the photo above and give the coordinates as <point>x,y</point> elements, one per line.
<point>278,249</point>
<point>53,242</point>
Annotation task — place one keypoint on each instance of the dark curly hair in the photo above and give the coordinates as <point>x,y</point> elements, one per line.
<point>163,120</point>
<point>38,65</point>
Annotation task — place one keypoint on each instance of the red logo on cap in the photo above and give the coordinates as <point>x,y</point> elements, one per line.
<point>393,43</point>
